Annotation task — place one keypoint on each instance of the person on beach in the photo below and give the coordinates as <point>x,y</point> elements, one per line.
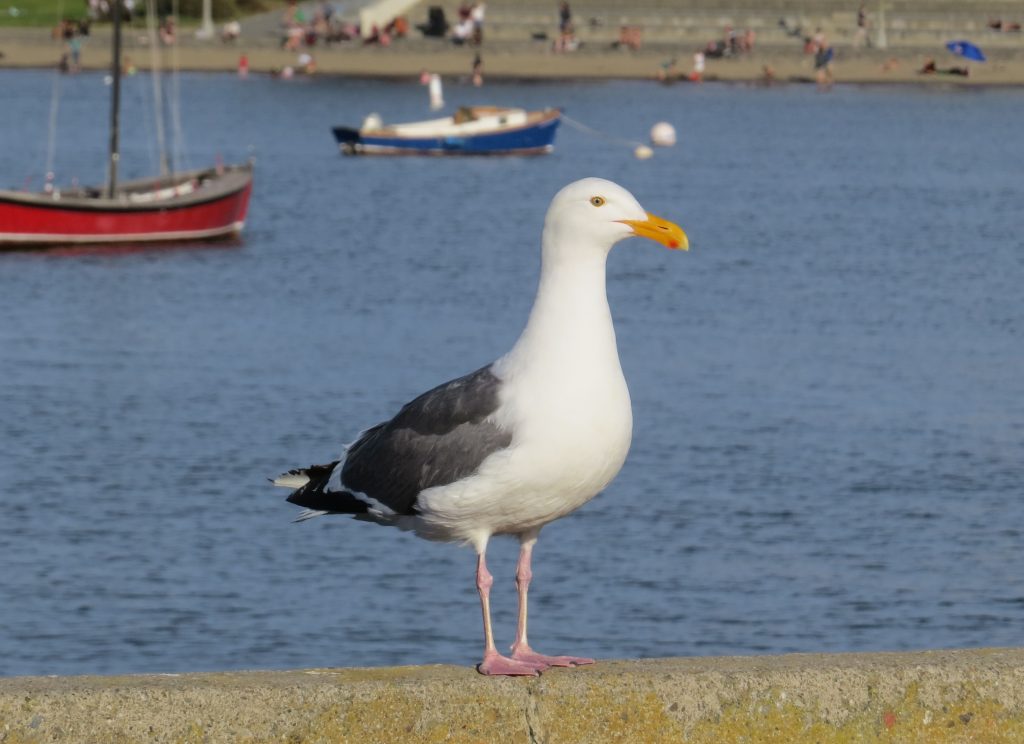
<point>823,65</point>
<point>75,46</point>
<point>697,75</point>
<point>929,68</point>
<point>463,32</point>
<point>566,41</point>
<point>293,38</point>
<point>71,51</point>
<point>476,15</point>
<point>230,31</point>
<point>293,22</point>
<point>167,31</point>
<point>861,38</point>
<point>478,70</point>
<point>813,43</point>
<point>667,71</point>
<point>1000,25</point>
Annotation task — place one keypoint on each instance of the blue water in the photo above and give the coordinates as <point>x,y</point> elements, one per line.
<point>828,388</point>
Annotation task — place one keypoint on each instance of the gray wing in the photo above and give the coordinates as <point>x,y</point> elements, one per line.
<point>439,438</point>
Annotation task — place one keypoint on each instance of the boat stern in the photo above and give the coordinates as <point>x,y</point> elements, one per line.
<point>347,138</point>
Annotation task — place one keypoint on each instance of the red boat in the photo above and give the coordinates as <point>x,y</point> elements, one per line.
<point>192,205</point>
<point>196,205</point>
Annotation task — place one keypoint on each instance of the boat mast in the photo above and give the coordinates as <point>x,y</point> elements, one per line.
<point>115,101</point>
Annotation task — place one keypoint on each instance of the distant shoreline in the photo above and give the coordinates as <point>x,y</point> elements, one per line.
<point>787,65</point>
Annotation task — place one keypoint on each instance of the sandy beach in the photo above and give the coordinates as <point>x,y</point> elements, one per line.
<point>524,61</point>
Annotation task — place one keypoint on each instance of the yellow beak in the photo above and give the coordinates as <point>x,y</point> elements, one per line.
<point>665,232</point>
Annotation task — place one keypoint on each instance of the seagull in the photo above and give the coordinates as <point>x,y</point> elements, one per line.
<point>518,443</point>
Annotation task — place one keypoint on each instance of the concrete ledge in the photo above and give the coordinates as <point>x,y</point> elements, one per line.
<point>935,696</point>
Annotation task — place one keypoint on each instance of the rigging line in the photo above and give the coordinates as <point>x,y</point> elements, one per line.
<point>51,142</point>
<point>590,130</point>
<point>148,135</point>
<point>178,153</point>
<point>146,128</point>
<point>158,98</point>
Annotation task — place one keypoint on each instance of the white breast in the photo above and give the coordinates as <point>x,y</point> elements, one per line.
<point>565,400</point>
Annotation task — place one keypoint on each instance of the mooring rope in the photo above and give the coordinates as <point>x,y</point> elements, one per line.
<point>598,133</point>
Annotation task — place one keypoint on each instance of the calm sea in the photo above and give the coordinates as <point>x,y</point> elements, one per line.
<point>828,388</point>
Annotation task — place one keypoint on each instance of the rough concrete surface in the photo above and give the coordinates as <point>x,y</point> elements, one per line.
<point>932,696</point>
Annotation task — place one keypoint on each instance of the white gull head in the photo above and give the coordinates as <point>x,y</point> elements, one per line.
<point>594,214</point>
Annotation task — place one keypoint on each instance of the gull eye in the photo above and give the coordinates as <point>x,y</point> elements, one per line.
<point>597,201</point>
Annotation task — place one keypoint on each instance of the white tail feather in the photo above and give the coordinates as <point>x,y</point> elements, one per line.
<point>291,480</point>
<point>309,514</point>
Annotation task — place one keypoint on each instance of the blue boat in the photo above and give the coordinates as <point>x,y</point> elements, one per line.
<point>472,130</point>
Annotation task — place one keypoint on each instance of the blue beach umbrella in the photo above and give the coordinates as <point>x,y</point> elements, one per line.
<point>966,49</point>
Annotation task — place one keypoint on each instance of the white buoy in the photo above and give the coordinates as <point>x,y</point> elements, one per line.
<point>643,152</point>
<point>436,94</point>
<point>663,134</point>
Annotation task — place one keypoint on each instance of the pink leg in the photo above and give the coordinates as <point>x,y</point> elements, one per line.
<point>521,650</point>
<point>495,663</point>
